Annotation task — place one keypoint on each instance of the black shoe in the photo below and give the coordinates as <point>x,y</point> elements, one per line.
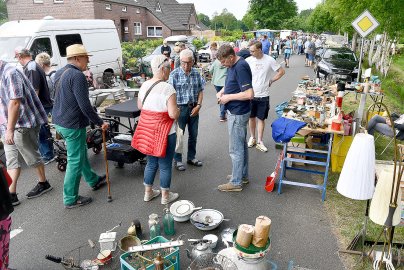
<point>80,202</point>
<point>39,189</point>
<point>14,199</point>
<point>102,180</point>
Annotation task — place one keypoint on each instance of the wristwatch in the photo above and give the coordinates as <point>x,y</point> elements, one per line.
<point>200,105</point>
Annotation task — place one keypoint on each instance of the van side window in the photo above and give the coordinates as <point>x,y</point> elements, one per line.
<point>41,45</point>
<point>65,41</point>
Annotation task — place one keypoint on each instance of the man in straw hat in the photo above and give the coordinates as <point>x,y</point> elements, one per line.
<point>21,115</point>
<point>72,113</point>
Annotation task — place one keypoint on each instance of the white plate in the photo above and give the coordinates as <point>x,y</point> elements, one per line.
<point>201,218</point>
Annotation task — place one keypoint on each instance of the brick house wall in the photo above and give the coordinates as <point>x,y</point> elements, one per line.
<point>127,19</point>
<point>37,9</point>
<point>90,9</point>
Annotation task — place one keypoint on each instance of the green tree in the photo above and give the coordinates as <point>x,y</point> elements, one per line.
<point>321,20</point>
<point>204,19</point>
<point>3,11</point>
<point>271,13</point>
<point>225,20</point>
<point>249,22</point>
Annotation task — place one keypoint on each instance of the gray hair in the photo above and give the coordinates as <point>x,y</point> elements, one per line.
<point>187,53</point>
<point>43,59</point>
<point>158,62</point>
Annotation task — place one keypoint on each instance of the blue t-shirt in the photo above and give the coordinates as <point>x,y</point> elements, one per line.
<point>239,79</point>
<point>265,46</point>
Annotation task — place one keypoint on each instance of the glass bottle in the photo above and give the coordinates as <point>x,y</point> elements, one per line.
<point>154,226</point>
<point>168,222</point>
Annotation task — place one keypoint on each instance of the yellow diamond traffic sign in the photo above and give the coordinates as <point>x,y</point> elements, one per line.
<point>365,23</point>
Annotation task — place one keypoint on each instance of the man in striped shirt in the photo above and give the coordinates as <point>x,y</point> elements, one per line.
<point>21,115</point>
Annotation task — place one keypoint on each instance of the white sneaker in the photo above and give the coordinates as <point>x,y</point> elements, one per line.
<point>151,195</point>
<point>251,142</point>
<point>170,198</point>
<point>260,146</point>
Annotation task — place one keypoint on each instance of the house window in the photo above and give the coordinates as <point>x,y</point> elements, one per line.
<point>158,7</point>
<point>124,9</point>
<point>108,6</point>
<point>138,28</point>
<point>58,1</point>
<point>154,31</point>
<point>137,11</point>
<point>126,29</point>
<point>38,1</point>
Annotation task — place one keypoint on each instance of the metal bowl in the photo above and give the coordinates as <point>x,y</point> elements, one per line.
<point>207,219</point>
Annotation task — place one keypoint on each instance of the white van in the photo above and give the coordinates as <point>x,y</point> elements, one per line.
<point>53,36</point>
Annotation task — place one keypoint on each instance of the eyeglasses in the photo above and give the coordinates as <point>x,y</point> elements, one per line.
<point>186,63</point>
<point>165,60</point>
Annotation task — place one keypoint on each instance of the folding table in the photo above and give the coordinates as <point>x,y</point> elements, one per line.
<point>323,155</point>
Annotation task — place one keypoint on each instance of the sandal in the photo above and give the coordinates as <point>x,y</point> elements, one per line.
<point>179,165</point>
<point>195,162</point>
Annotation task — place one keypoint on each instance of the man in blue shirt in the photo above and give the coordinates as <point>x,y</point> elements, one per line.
<point>189,85</point>
<point>266,44</point>
<point>72,113</point>
<point>236,96</point>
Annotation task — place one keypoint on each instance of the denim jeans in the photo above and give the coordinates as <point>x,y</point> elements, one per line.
<point>221,106</point>
<point>183,120</point>
<point>165,165</point>
<point>238,149</point>
<point>46,145</point>
<point>77,163</point>
<point>378,123</point>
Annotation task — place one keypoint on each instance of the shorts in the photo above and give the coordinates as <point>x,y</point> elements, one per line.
<point>311,57</point>
<point>260,108</point>
<point>287,56</point>
<point>25,146</point>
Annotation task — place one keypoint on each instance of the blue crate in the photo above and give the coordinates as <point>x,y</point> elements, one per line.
<point>173,257</point>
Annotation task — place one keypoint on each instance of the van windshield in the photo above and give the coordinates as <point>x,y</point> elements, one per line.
<point>8,44</point>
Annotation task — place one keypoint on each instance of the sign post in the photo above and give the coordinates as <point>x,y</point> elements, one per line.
<point>364,24</point>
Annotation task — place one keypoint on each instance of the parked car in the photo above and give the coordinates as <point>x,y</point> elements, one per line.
<point>204,53</point>
<point>157,51</point>
<point>340,63</point>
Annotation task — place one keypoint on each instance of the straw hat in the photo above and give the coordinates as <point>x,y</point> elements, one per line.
<point>76,50</point>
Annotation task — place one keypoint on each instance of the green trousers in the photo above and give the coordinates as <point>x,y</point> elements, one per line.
<point>77,163</point>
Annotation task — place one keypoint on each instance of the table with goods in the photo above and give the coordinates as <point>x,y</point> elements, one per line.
<point>318,105</point>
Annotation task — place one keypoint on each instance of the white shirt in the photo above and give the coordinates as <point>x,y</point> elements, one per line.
<point>157,99</point>
<point>261,73</point>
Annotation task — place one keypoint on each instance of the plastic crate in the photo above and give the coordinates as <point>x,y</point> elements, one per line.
<point>173,258</point>
<point>340,147</point>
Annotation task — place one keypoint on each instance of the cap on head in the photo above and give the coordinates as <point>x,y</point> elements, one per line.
<point>76,50</point>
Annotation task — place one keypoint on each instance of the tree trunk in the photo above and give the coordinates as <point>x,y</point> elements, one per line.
<point>354,39</point>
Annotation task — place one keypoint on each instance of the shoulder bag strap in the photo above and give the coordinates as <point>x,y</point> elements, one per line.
<point>57,85</point>
<point>148,91</point>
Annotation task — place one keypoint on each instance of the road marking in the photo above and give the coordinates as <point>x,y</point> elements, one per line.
<point>15,232</point>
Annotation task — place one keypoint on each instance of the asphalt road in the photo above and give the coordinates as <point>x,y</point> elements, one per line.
<point>301,231</point>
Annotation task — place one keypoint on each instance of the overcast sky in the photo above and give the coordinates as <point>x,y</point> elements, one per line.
<point>237,7</point>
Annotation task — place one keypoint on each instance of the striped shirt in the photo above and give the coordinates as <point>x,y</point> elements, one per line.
<point>14,85</point>
<point>72,108</point>
<point>186,86</point>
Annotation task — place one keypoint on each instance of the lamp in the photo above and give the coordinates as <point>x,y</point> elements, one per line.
<point>357,177</point>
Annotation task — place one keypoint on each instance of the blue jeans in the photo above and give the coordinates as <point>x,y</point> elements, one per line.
<point>238,149</point>
<point>165,165</point>
<point>183,120</point>
<point>46,145</point>
<point>378,123</point>
<point>221,106</point>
